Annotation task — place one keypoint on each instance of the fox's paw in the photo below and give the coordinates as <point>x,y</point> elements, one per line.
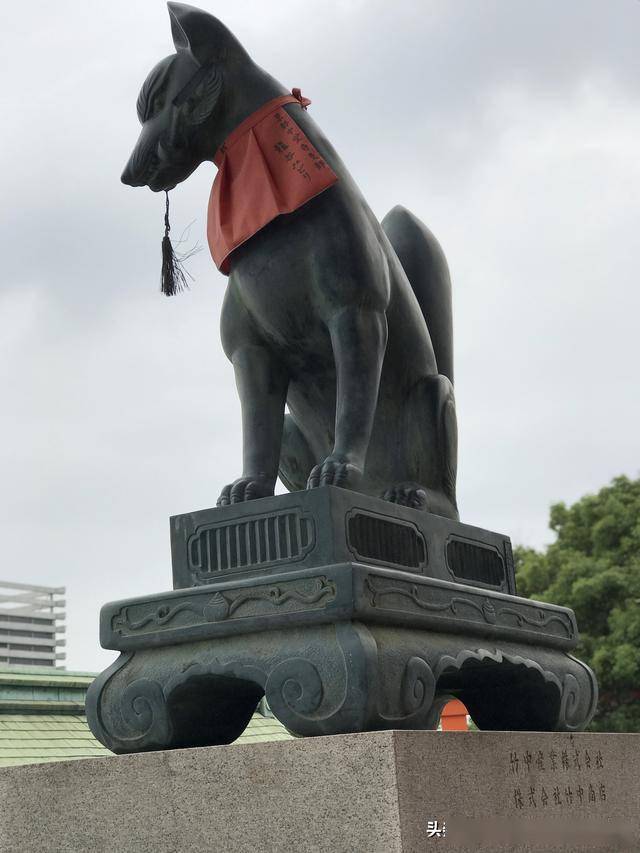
<point>335,471</point>
<point>407,494</point>
<point>419,497</point>
<point>246,489</point>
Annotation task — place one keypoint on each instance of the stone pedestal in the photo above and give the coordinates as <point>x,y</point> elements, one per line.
<point>349,613</point>
<point>382,792</point>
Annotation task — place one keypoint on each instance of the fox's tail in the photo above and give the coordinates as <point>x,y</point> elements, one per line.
<point>426,267</point>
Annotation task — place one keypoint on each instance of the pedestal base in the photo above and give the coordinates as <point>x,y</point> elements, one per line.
<point>350,614</point>
<point>302,640</point>
<point>384,792</point>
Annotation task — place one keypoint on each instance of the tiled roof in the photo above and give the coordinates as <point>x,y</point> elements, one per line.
<point>46,675</point>
<point>42,689</point>
<point>36,738</point>
<point>263,729</point>
<point>42,718</point>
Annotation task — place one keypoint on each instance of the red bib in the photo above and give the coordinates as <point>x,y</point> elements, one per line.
<point>266,167</point>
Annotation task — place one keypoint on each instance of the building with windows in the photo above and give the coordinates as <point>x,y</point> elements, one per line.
<point>31,622</point>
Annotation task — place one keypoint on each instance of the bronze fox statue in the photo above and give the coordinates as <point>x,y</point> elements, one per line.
<point>342,320</point>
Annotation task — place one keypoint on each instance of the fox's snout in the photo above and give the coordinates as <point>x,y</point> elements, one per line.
<point>142,162</point>
<point>130,178</point>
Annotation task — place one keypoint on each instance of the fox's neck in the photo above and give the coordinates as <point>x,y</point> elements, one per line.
<point>246,90</point>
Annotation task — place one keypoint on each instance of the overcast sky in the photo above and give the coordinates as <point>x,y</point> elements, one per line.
<point>511,128</point>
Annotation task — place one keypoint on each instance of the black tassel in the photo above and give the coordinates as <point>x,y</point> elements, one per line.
<point>174,277</point>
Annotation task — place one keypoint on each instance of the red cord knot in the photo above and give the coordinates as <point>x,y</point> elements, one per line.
<point>297,94</point>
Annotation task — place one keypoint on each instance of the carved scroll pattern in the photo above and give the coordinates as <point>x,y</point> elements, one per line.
<point>226,605</point>
<point>491,611</point>
<point>579,698</point>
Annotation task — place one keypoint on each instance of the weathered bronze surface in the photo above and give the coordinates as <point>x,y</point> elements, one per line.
<point>349,614</point>
<point>345,320</point>
<point>355,608</point>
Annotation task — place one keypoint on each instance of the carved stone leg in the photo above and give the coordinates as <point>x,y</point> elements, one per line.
<point>130,710</point>
<point>327,679</point>
<point>332,679</point>
<point>530,695</point>
<point>505,686</point>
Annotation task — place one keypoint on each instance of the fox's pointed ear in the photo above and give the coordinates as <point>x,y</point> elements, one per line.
<point>180,38</point>
<point>205,37</point>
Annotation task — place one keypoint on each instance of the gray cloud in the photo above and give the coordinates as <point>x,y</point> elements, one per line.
<point>511,128</point>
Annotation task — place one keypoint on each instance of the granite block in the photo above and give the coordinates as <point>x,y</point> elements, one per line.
<point>380,792</point>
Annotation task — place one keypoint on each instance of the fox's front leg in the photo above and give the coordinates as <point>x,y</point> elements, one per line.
<point>359,340</point>
<point>262,388</point>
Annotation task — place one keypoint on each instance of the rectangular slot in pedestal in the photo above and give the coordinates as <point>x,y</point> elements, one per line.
<point>329,525</point>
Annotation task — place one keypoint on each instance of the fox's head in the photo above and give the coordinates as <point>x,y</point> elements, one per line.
<point>192,99</point>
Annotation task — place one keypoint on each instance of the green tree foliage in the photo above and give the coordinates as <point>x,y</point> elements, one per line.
<point>594,568</point>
